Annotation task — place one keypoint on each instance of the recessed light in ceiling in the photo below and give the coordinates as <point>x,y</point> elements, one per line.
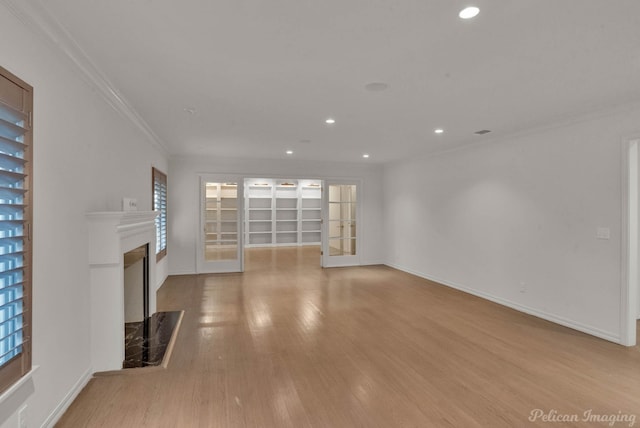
<point>190,110</point>
<point>482,132</point>
<point>376,86</point>
<point>289,152</point>
<point>330,121</point>
<point>469,12</point>
<point>438,130</point>
<point>366,155</point>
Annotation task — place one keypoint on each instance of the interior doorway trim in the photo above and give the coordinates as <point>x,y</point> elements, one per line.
<point>224,228</point>
<point>630,241</point>
<point>346,259</point>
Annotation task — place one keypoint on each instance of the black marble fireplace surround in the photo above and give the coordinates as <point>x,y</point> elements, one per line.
<point>147,342</point>
<point>147,339</point>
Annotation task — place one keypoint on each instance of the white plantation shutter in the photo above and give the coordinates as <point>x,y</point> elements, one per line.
<point>160,205</point>
<point>16,100</point>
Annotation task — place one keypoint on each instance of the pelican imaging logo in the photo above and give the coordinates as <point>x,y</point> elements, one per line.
<point>610,419</point>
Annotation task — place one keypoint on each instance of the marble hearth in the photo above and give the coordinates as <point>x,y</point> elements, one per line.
<point>149,343</point>
<point>111,235</point>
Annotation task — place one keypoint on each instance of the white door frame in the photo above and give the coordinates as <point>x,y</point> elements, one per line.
<point>222,266</point>
<point>338,261</point>
<point>629,304</point>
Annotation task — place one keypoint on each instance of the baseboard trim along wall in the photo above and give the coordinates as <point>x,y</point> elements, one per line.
<point>193,272</point>
<point>182,272</point>
<point>68,399</point>
<point>518,307</point>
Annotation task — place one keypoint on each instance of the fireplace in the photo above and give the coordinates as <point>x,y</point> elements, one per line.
<point>111,236</point>
<point>136,284</point>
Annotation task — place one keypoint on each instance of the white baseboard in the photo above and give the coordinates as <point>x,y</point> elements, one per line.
<point>372,263</point>
<point>518,307</point>
<point>182,272</point>
<point>67,400</point>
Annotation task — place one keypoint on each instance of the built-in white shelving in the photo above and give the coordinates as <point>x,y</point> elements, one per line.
<point>282,212</point>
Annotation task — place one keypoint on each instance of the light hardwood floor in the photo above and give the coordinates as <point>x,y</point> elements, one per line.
<point>288,344</point>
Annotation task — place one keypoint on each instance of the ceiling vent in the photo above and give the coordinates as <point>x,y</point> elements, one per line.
<point>482,132</point>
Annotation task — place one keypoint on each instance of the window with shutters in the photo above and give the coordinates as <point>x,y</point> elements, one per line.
<point>160,205</point>
<point>16,196</point>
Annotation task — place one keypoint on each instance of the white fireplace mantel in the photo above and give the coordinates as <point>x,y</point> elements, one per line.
<point>111,234</point>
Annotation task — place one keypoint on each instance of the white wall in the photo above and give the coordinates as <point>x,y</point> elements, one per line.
<point>86,158</point>
<point>515,220</point>
<point>184,199</point>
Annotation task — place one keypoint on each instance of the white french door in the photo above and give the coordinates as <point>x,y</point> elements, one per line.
<point>340,224</point>
<point>220,246</point>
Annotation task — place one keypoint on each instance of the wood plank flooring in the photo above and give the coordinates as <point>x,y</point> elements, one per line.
<point>288,344</point>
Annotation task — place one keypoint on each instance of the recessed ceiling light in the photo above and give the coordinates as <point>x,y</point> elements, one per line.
<point>482,132</point>
<point>330,121</point>
<point>438,130</point>
<point>289,152</point>
<point>469,12</point>
<point>366,155</point>
<point>376,86</point>
<point>190,110</point>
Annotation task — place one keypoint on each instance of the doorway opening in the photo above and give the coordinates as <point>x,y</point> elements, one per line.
<point>220,229</point>
<point>239,214</point>
<point>282,220</point>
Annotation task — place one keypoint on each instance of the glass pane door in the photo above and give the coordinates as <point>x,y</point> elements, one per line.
<point>221,238</point>
<point>341,207</point>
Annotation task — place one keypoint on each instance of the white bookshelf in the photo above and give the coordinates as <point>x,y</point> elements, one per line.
<point>310,211</point>
<point>282,212</point>
<point>287,204</point>
<point>259,213</point>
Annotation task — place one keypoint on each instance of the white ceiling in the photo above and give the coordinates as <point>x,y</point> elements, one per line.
<point>263,75</point>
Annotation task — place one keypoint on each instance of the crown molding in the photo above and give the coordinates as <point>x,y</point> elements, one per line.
<point>35,16</point>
